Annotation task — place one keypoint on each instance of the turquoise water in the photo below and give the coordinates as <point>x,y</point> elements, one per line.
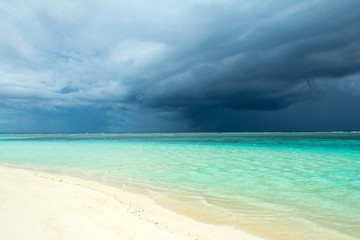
<point>277,185</point>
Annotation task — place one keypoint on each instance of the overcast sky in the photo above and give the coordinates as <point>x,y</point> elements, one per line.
<point>155,66</point>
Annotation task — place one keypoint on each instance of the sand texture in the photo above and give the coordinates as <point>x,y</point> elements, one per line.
<point>37,205</point>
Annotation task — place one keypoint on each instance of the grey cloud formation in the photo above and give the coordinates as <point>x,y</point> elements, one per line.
<point>175,60</point>
<point>273,65</point>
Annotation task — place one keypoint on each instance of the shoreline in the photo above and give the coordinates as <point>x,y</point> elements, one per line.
<point>45,205</point>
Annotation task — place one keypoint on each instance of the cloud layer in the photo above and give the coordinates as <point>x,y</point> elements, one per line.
<point>175,59</point>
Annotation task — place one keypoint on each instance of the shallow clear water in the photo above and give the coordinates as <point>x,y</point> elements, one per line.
<point>278,185</point>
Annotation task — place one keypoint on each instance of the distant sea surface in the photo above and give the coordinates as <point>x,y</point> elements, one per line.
<point>276,185</point>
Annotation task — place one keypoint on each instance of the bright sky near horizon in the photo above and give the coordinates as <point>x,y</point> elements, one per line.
<point>140,66</point>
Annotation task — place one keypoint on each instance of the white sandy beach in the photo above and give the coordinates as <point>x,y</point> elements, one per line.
<point>37,205</point>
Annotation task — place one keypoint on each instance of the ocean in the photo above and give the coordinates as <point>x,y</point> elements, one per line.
<point>274,185</point>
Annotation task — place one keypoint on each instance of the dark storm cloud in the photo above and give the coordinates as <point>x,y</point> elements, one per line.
<point>171,61</point>
<point>274,65</point>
